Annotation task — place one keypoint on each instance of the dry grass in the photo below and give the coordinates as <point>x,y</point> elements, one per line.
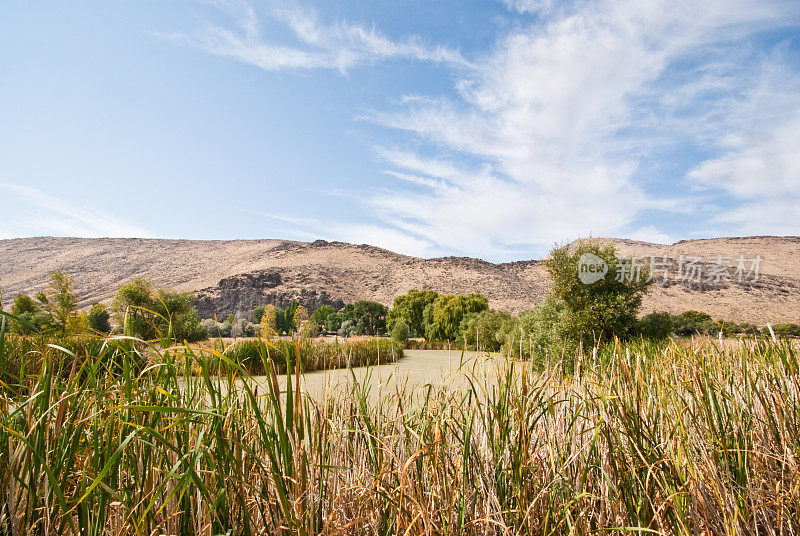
<point>649,439</point>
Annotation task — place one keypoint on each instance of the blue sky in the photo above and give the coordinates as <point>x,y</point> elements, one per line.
<point>489,129</point>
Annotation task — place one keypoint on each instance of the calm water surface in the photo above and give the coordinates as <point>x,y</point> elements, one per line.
<point>414,371</point>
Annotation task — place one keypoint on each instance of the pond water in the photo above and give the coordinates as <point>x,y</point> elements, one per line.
<point>414,371</point>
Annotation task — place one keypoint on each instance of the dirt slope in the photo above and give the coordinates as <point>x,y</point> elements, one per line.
<point>235,276</point>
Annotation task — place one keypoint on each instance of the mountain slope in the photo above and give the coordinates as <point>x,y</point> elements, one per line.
<point>235,276</point>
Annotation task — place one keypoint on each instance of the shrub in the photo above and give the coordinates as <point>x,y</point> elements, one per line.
<point>692,322</point>
<point>216,329</point>
<point>148,313</point>
<point>244,328</point>
<point>314,354</point>
<point>400,331</point>
<point>749,329</point>
<point>786,330</point>
<point>656,326</point>
<point>31,318</point>
<point>98,319</point>
<point>346,329</point>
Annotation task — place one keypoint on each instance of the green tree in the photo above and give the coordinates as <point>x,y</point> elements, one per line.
<point>280,321</point>
<point>178,308</point>
<point>410,308</point>
<point>321,315</point>
<point>489,329</point>
<point>133,308</point>
<point>543,332</point>
<point>334,322</point>
<point>23,304</point>
<point>786,330</point>
<point>368,317</point>
<point>150,313</point>
<point>300,317</point>
<point>288,317</point>
<point>444,315</point>
<point>749,329</point>
<point>99,319</point>
<point>78,323</point>
<point>33,318</point>
<point>59,299</point>
<point>656,326</point>
<point>602,309</point>
<point>258,312</point>
<point>281,326</point>
<point>400,330</point>
<point>692,322</point>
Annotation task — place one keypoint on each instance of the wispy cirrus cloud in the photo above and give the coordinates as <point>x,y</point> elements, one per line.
<point>338,45</point>
<point>583,117</point>
<point>760,169</point>
<point>28,211</point>
<point>569,113</point>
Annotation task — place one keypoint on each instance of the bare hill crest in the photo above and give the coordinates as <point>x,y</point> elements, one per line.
<point>235,276</point>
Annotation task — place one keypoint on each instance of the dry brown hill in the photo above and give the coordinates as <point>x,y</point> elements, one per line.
<point>235,276</point>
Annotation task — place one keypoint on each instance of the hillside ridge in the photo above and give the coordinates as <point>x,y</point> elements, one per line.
<point>234,276</point>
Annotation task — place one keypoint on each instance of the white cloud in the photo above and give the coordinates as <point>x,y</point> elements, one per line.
<point>556,132</point>
<point>758,164</point>
<point>340,46</point>
<point>530,6</point>
<point>761,168</point>
<point>29,211</point>
<point>416,179</point>
<point>547,110</point>
<point>650,234</point>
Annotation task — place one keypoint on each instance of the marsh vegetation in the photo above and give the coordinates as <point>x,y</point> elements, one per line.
<point>567,429</point>
<point>662,438</point>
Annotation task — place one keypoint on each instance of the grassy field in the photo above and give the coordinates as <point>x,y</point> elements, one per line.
<point>645,438</point>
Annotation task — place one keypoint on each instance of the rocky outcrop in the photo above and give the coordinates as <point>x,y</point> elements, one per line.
<point>241,293</point>
<point>238,275</point>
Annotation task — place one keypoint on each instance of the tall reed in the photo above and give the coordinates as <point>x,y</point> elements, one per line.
<point>657,439</point>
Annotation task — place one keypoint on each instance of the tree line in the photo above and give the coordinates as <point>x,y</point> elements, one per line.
<point>138,308</point>
<point>574,314</point>
<point>362,317</point>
